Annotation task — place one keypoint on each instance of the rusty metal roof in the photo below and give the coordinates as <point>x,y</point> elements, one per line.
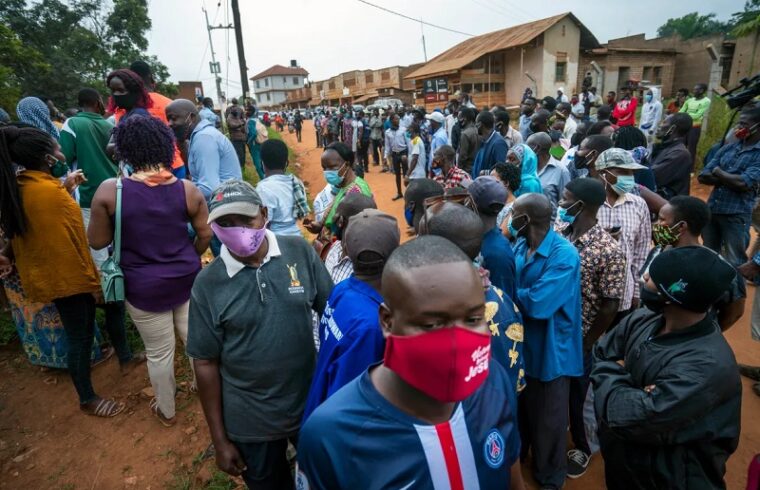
<point>281,70</point>
<point>470,50</point>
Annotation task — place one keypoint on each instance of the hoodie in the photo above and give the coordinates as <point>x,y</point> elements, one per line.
<point>529,181</point>
<point>651,113</point>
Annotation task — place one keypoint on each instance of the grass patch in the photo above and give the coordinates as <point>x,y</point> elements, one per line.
<point>717,118</point>
<point>8,332</point>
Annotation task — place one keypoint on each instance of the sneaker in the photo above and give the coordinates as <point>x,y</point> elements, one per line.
<point>577,463</point>
<point>750,372</point>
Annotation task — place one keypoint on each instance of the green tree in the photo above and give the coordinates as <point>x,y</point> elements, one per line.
<point>15,59</point>
<point>692,25</point>
<point>747,21</point>
<point>80,41</point>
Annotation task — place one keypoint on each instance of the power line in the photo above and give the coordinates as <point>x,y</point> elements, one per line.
<point>530,17</point>
<point>415,20</point>
<point>200,68</point>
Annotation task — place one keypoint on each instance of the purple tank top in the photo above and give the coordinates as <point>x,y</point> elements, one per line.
<point>157,257</point>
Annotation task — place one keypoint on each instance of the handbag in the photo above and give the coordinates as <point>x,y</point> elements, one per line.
<point>111,276</point>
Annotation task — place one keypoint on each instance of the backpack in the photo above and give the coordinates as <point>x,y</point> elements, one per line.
<point>261,132</point>
<point>236,119</point>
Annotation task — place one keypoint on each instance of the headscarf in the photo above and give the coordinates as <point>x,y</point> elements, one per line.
<point>35,112</point>
<point>5,118</point>
<point>529,181</point>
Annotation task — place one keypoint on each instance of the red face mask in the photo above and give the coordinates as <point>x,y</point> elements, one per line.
<point>744,132</point>
<point>447,364</point>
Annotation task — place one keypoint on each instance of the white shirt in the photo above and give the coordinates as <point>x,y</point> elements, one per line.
<point>417,147</point>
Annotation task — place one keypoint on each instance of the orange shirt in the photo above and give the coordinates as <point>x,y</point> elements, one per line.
<point>159,111</point>
<point>53,255</point>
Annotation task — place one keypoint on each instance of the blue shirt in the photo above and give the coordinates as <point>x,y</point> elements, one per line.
<point>439,139</point>
<point>549,297</point>
<point>524,124</point>
<point>359,440</point>
<point>491,152</point>
<point>507,334</point>
<point>736,159</point>
<point>276,193</point>
<point>350,339</point>
<point>499,260</point>
<point>209,115</point>
<point>211,158</point>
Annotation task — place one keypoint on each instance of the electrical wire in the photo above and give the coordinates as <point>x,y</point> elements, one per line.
<point>509,7</point>
<point>418,21</point>
<point>205,51</point>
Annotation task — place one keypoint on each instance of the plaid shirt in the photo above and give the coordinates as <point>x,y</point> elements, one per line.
<point>338,265</point>
<point>602,270</point>
<point>738,160</point>
<point>631,214</point>
<point>456,177</point>
<point>300,204</point>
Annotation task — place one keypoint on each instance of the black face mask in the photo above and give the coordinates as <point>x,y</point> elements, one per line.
<point>581,162</point>
<point>125,101</point>
<point>534,128</point>
<point>652,300</point>
<point>181,130</point>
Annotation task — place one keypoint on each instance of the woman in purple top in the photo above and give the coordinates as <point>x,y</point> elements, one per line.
<point>158,258</point>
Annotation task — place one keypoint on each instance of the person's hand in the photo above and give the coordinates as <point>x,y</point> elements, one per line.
<point>73,180</point>
<point>228,459</point>
<point>406,180</point>
<point>312,226</point>
<point>634,303</point>
<point>749,270</point>
<point>99,299</point>
<point>649,388</point>
<point>5,270</point>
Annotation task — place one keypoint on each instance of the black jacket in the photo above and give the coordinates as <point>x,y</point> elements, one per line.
<point>671,166</point>
<point>680,435</point>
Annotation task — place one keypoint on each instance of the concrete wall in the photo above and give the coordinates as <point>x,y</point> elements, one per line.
<point>518,61</point>
<point>563,37</point>
<point>746,62</point>
<point>635,61</point>
<point>693,63</point>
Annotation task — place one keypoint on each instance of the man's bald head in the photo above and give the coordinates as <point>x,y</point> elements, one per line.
<point>536,207</point>
<point>458,224</point>
<point>182,106</point>
<point>539,142</point>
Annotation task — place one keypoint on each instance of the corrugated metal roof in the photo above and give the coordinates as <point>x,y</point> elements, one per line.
<point>280,70</point>
<point>470,50</point>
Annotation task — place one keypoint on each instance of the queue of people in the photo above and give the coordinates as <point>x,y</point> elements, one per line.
<point>542,292</point>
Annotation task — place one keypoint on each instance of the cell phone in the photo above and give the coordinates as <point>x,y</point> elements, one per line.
<point>614,229</point>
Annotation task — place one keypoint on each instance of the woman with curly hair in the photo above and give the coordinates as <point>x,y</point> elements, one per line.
<point>158,260</point>
<point>48,244</point>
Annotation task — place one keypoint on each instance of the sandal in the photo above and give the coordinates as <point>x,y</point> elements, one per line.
<point>131,364</point>
<point>166,422</point>
<point>105,354</point>
<point>104,408</point>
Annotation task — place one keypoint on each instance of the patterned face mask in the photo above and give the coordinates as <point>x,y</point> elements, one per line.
<point>664,235</point>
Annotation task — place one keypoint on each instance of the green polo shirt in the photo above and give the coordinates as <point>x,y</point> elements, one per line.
<point>83,141</point>
<point>257,323</point>
<point>696,108</point>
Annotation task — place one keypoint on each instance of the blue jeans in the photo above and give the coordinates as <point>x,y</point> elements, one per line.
<point>728,234</point>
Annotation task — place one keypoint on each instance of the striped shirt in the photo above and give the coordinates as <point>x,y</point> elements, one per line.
<point>631,214</point>
<point>338,265</point>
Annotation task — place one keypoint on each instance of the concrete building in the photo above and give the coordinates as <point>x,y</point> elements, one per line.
<point>190,91</point>
<point>669,62</point>
<point>497,67</point>
<point>271,86</point>
<point>356,87</point>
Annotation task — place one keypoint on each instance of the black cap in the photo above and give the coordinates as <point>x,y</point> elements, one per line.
<point>692,277</point>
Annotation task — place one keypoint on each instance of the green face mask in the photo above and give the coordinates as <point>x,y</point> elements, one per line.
<point>59,168</point>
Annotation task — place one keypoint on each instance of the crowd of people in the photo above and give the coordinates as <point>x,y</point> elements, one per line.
<point>549,283</point>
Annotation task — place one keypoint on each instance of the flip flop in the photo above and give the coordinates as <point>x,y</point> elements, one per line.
<point>166,422</point>
<point>106,408</point>
<point>105,354</point>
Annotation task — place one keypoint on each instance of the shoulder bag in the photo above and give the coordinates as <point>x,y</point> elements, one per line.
<point>111,276</point>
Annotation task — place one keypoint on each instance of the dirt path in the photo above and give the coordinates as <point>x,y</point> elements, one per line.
<point>46,443</point>
<point>747,351</point>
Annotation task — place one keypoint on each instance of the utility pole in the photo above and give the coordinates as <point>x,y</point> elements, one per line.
<point>215,68</point>
<point>424,49</point>
<point>240,50</point>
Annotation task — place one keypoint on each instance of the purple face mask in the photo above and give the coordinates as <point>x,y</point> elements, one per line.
<point>240,240</point>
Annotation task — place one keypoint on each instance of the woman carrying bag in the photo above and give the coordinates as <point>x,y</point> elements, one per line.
<point>158,261</point>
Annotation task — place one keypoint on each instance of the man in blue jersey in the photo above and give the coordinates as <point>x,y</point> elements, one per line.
<point>350,335</point>
<point>436,413</point>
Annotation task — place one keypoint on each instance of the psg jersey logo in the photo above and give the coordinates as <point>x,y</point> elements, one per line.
<point>493,449</point>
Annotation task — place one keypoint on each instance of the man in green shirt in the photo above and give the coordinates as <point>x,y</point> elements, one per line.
<point>696,107</point>
<point>83,141</point>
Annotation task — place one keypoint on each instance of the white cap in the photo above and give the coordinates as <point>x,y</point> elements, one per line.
<point>436,116</point>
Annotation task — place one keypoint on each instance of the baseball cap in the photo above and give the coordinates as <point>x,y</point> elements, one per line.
<point>436,116</point>
<point>234,197</point>
<point>371,231</point>
<point>692,288</point>
<point>616,158</point>
<point>489,194</point>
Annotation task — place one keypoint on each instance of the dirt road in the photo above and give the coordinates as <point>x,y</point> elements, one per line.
<point>45,443</point>
<point>747,351</point>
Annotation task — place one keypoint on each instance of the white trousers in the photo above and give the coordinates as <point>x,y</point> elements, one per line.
<point>98,256</point>
<point>157,332</point>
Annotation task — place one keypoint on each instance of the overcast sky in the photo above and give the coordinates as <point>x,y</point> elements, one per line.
<point>328,37</point>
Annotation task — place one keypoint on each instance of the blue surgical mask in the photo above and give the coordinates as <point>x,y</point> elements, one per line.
<point>437,171</point>
<point>409,134</point>
<point>333,177</point>
<point>409,216</point>
<point>567,218</point>
<point>624,184</point>
<point>648,97</point>
<point>515,231</point>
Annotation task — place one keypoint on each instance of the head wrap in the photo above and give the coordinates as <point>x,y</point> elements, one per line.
<point>35,112</point>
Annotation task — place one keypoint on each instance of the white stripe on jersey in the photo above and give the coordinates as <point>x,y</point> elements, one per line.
<point>431,444</point>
